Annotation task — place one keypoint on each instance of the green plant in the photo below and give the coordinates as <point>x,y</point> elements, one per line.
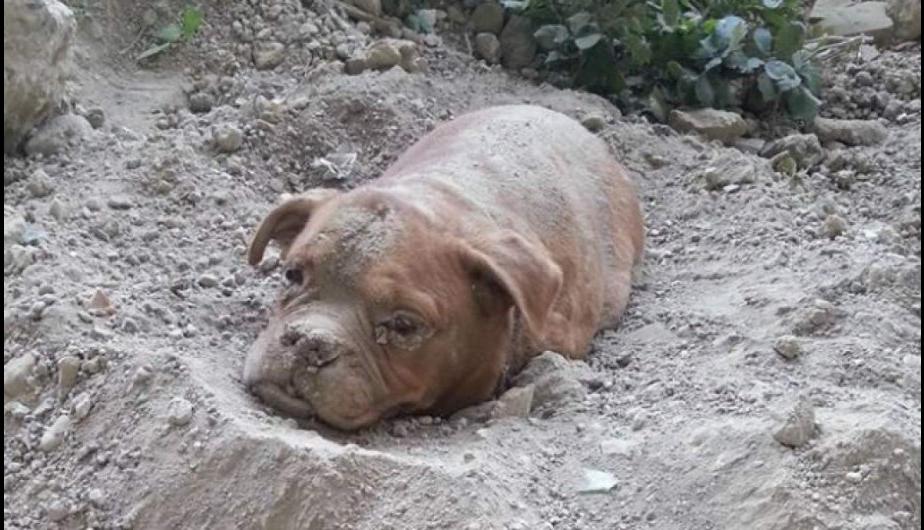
<point>190,21</point>
<point>661,54</point>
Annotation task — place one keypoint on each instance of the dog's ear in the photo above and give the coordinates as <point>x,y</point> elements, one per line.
<point>286,221</point>
<point>508,270</point>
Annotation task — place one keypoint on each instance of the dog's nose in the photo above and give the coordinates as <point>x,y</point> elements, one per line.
<point>318,348</point>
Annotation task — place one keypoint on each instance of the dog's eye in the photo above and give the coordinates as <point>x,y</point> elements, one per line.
<point>403,325</point>
<point>294,276</point>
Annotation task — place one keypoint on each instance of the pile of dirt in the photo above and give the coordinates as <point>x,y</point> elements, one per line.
<point>767,375</point>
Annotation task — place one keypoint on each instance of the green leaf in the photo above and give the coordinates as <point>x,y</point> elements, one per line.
<point>639,50</point>
<point>170,33</point>
<point>713,64</point>
<point>784,75</point>
<point>515,5</point>
<point>742,63</point>
<point>730,32</point>
<point>551,36</point>
<point>802,104</point>
<point>790,39</point>
<point>588,41</point>
<point>767,88</point>
<point>808,71</point>
<point>579,22</point>
<point>191,22</point>
<point>763,39</point>
<point>772,4</point>
<point>704,92</point>
<point>152,51</point>
<point>670,13</point>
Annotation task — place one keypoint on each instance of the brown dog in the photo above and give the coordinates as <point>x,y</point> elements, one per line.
<point>499,235</point>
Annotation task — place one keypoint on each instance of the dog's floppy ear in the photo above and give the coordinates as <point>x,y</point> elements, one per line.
<point>508,270</point>
<point>286,221</point>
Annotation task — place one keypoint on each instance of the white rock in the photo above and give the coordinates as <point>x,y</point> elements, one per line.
<point>37,37</point>
<point>55,434</point>
<point>596,481</point>
<point>16,377</point>
<point>515,403</point>
<point>180,412</point>
<point>799,426</point>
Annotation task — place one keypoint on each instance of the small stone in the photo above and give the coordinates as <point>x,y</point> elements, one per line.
<point>228,139</point>
<point>851,132</point>
<point>97,497</point>
<point>847,19</point>
<point>119,202</point>
<point>83,404</point>
<point>17,377</point>
<point>805,149</point>
<point>488,47</point>
<point>596,481</point>
<point>723,126</point>
<point>488,18</point>
<point>208,281</point>
<point>268,55</point>
<point>515,403</point>
<point>201,102</point>
<point>39,184</point>
<point>57,210</point>
<point>100,303</point>
<point>788,347</point>
<point>854,477</point>
<point>68,372</point>
<point>383,55</point>
<point>594,123</point>
<point>96,117</point>
<point>180,412</point>
<point>355,66</point>
<point>799,426</point>
<point>55,434</point>
<point>834,226</point>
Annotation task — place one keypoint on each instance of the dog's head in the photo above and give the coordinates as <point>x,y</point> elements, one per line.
<point>388,310</point>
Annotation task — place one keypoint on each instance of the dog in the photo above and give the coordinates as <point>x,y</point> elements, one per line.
<point>501,234</point>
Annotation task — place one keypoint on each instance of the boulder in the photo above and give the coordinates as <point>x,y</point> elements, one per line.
<point>847,18</point>
<point>906,14</point>
<point>851,132</point>
<point>37,37</point>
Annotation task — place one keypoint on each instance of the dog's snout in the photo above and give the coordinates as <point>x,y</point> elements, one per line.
<point>317,347</point>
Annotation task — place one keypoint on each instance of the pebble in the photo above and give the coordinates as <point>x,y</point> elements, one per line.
<point>57,210</point>
<point>83,404</point>
<point>96,497</point>
<point>39,184</point>
<point>515,403</point>
<point>799,426</point>
<point>68,372</point>
<point>854,477</point>
<point>96,116</point>
<point>834,226</point>
<point>201,102</point>
<point>180,412</point>
<point>208,281</point>
<point>119,202</point>
<point>268,55</point>
<point>788,347</point>
<point>54,435</point>
<point>594,123</point>
<point>228,139</point>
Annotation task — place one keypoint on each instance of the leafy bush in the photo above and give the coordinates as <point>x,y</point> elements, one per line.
<point>662,54</point>
<point>190,21</point>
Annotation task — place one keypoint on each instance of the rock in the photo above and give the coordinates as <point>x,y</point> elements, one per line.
<point>97,497</point>
<point>100,304</point>
<point>821,316</point>
<point>83,404</point>
<point>515,403</point>
<point>847,18</point>
<point>518,46</point>
<point>488,47</point>
<point>39,184</point>
<point>834,226</point>
<point>96,117</point>
<point>228,139</point>
<point>355,66</point>
<point>383,55</point>
<point>17,380</point>
<point>788,347</point>
<point>730,169</point>
<point>594,123</point>
<point>180,412</point>
<point>58,134</point>
<point>906,15</point>
<point>751,146</point>
<point>411,61</point>
<point>805,149</point>
<point>596,481</point>
<point>851,132</point>
<point>55,434</point>
<point>475,414</point>
<point>208,281</point>
<point>37,38</point>
<point>201,102</point>
<point>712,124</point>
<point>616,447</point>
<point>799,426</point>
<point>373,7</point>
<point>268,55</point>
<point>488,18</point>
<point>68,372</point>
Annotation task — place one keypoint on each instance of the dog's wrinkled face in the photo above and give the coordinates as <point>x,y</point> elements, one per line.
<point>385,312</point>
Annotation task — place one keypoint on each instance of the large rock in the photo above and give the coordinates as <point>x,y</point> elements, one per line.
<point>847,18</point>
<point>518,46</point>
<point>851,132</point>
<point>713,124</point>
<point>59,133</point>
<point>906,14</point>
<point>37,36</point>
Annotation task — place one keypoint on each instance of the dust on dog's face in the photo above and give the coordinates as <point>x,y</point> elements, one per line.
<point>380,315</point>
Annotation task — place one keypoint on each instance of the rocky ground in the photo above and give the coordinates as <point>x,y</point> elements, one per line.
<point>767,375</point>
